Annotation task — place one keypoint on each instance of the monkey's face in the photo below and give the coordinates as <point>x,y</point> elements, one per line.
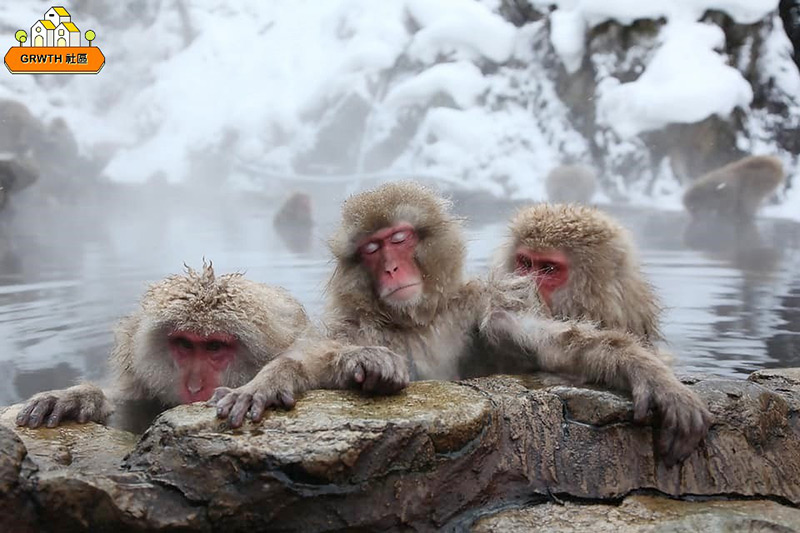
<point>550,269</point>
<point>201,361</point>
<point>388,256</point>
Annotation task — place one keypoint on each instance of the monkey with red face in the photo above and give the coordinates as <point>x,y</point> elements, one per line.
<point>398,288</point>
<point>191,334</point>
<point>584,265</point>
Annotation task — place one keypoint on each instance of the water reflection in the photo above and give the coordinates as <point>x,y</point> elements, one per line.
<point>65,280</point>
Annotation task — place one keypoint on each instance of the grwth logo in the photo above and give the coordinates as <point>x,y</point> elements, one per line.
<point>54,47</point>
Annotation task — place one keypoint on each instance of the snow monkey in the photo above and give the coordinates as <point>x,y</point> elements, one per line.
<point>736,190</point>
<point>585,267</point>
<point>293,222</point>
<point>191,334</point>
<point>398,284</point>
<point>571,183</point>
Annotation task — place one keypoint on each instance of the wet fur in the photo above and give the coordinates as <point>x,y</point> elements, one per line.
<point>606,285</point>
<point>265,320</point>
<point>499,321</point>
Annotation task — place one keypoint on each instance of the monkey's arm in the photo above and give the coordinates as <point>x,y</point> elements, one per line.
<point>84,403</point>
<point>317,364</point>
<point>615,359</point>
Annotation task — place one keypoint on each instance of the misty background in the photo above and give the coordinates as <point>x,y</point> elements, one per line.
<point>207,116</point>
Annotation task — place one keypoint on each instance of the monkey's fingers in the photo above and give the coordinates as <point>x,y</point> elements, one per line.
<point>693,427</point>
<point>25,413</point>
<point>359,373</point>
<point>373,377</point>
<point>258,407</point>
<point>225,404</point>
<point>642,400</point>
<point>58,413</point>
<point>41,410</point>
<point>240,409</point>
<point>669,434</point>
<point>287,399</point>
<point>219,393</point>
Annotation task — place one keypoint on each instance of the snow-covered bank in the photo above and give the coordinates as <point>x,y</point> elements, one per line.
<point>451,88</point>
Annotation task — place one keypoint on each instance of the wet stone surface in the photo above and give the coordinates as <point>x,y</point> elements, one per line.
<point>440,454</point>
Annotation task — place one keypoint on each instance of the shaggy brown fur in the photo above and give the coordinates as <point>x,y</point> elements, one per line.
<point>606,285</point>
<point>500,318</point>
<point>736,190</point>
<point>264,319</point>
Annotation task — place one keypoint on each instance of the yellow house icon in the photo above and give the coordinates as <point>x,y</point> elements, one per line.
<point>43,33</point>
<point>55,29</point>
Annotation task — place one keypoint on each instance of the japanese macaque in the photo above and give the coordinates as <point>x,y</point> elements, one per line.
<point>736,190</point>
<point>398,284</point>
<point>15,174</point>
<point>571,183</point>
<point>191,334</point>
<point>293,222</point>
<point>585,267</point>
<point>20,131</point>
<point>295,211</point>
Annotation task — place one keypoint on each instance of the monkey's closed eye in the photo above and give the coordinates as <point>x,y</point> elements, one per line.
<point>370,248</point>
<point>214,346</point>
<point>399,237</point>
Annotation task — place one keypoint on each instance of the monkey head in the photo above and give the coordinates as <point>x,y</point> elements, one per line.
<point>584,265</point>
<point>198,331</point>
<point>399,250</point>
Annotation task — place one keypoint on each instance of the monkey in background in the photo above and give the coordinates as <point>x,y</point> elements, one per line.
<point>293,222</point>
<point>571,183</point>
<point>398,287</point>
<point>734,192</point>
<point>585,266</point>
<point>191,334</point>
<point>295,211</point>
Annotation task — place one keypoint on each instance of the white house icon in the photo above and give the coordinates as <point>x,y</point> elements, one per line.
<point>55,29</point>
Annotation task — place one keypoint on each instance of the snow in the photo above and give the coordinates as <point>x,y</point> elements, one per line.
<point>465,27</point>
<point>685,82</point>
<point>568,31</point>
<point>254,87</point>
<point>462,81</point>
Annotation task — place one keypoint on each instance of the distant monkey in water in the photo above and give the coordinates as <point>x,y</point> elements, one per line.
<point>191,334</point>
<point>293,222</point>
<point>735,191</point>
<point>571,183</point>
<point>398,290</point>
<point>295,212</point>
<point>585,266</point>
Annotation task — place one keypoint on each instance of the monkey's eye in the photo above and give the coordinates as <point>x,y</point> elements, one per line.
<point>214,346</point>
<point>399,237</point>
<point>370,248</point>
<point>183,343</point>
<point>548,268</point>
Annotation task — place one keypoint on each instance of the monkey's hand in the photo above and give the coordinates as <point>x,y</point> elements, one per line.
<point>512,293</point>
<point>83,403</point>
<point>684,417</point>
<point>373,369</point>
<point>276,385</point>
